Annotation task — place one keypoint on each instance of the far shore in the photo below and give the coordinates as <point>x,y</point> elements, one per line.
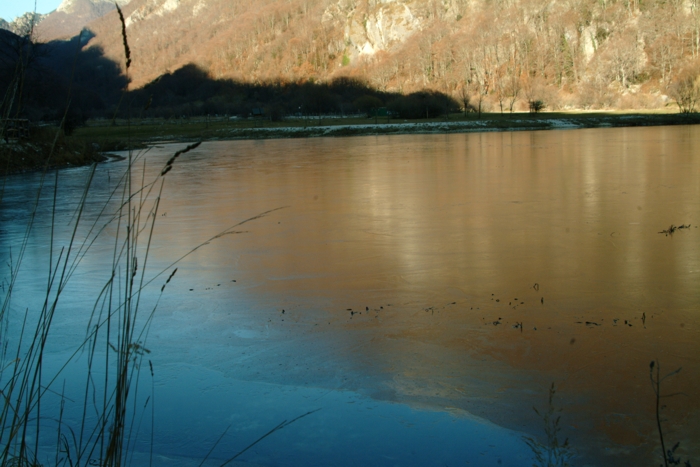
<point>105,136</point>
<point>210,128</point>
<point>515,123</point>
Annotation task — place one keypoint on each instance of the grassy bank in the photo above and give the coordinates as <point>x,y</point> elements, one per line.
<point>34,153</point>
<point>88,142</point>
<point>184,129</point>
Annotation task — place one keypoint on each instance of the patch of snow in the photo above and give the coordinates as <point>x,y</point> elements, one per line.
<point>401,128</point>
<point>557,123</point>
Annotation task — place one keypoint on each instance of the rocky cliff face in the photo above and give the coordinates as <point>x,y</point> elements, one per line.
<point>381,27</point>
<point>22,25</point>
<point>82,6</point>
<point>153,9</point>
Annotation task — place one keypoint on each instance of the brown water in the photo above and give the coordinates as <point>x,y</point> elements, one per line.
<point>433,239</point>
<point>462,272</point>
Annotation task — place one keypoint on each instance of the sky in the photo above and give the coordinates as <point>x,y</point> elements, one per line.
<point>10,9</point>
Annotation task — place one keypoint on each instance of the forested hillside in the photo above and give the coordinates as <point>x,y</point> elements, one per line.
<point>224,56</point>
<point>567,53</point>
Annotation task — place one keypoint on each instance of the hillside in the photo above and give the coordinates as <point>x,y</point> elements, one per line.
<point>568,54</point>
<point>64,22</point>
<point>22,24</point>
<point>71,16</point>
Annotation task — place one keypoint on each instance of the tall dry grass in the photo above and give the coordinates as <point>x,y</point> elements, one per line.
<point>113,350</point>
<point>117,325</point>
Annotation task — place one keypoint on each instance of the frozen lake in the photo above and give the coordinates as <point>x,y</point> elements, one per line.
<point>418,294</point>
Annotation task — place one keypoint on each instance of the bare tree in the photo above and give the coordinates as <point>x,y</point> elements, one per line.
<point>465,99</point>
<point>686,90</point>
<point>513,88</point>
<point>624,57</point>
<point>479,84</point>
<point>500,87</point>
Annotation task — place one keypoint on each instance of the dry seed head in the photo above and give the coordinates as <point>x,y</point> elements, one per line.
<point>169,164</point>
<point>127,52</point>
<point>171,276</point>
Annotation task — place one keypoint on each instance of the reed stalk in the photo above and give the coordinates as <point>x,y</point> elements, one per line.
<point>115,333</point>
<point>117,324</point>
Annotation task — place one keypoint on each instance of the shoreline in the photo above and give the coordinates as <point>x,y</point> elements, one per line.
<point>464,126</point>
<point>26,156</point>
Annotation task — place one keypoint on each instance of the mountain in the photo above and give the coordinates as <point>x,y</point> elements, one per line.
<point>498,53</point>
<point>488,54</point>
<point>22,25</point>
<point>63,23</point>
<point>71,16</point>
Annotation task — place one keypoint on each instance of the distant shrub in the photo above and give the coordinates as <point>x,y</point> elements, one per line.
<point>536,106</point>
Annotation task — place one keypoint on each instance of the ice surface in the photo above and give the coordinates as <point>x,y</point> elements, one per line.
<point>405,283</point>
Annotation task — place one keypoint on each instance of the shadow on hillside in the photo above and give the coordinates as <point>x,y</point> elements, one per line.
<point>190,91</point>
<point>39,79</point>
<point>60,71</point>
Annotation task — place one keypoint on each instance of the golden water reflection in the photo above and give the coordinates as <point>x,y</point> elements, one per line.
<point>435,238</point>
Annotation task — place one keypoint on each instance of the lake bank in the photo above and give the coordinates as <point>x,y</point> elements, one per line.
<point>102,136</point>
<point>33,155</point>
<point>517,123</point>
